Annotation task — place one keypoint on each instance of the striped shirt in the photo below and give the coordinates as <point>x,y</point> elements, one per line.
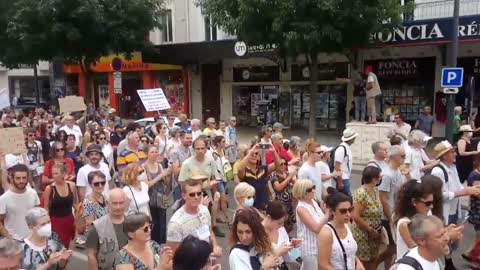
<point>309,238</point>
<point>126,157</point>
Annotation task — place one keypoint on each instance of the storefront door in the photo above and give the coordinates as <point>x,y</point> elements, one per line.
<point>211,91</point>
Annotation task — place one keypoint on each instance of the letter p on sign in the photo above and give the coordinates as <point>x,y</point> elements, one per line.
<point>452,77</point>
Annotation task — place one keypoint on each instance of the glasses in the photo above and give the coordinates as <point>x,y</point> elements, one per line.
<point>345,210</point>
<point>147,228</point>
<point>60,150</point>
<point>99,184</point>
<point>311,189</point>
<point>427,203</point>
<point>255,154</point>
<point>195,194</point>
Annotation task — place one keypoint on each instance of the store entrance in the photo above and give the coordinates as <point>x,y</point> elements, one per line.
<point>211,91</point>
<point>130,105</point>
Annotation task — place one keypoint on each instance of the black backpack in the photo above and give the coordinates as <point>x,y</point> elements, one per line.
<point>410,261</point>
<point>331,162</point>
<point>445,174</point>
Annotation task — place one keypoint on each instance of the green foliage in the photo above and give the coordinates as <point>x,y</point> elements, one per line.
<point>305,26</point>
<point>79,31</point>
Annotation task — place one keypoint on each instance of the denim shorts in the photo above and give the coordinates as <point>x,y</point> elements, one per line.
<point>221,187</point>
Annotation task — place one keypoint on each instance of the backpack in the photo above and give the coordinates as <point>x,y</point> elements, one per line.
<point>410,261</point>
<point>445,174</point>
<point>331,162</point>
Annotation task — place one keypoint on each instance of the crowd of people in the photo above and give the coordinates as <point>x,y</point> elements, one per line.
<point>92,182</point>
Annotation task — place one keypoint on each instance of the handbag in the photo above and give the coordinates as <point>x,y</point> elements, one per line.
<point>158,199</point>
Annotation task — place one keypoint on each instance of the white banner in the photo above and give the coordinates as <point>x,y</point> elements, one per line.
<point>153,99</point>
<point>4,98</point>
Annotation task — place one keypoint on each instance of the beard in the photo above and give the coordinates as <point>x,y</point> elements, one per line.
<point>20,186</point>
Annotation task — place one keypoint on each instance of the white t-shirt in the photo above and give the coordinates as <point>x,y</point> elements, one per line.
<point>402,247</point>
<point>282,240</point>
<point>82,177</point>
<point>308,172</point>
<point>239,259</point>
<point>139,199</point>
<point>414,157</point>
<point>324,169</point>
<point>425,264</point>
<point>345,159</point>
<point>76,131</point>
<point>392,181</point>
<point>15,206</point>
<point>183,224</point>
<point>381,164</point>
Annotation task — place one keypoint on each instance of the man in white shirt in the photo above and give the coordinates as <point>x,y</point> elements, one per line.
<point>400,128</point>
<point>195,126</point>
<point>71,128</point>
<point>431,236</point>
<point>380,152</point>
<point>452,188</point>
<point>344,160</point>
<point>328,178</point>
<point>192,218</point>
<point>95,163</point>
<point>415,157</point>
<point>373,90</point>
<point>15,203</point>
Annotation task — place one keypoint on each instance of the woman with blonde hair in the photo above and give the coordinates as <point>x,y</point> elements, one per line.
<point>310,221</point>
<point>136,190</point>
<point>244,195</point>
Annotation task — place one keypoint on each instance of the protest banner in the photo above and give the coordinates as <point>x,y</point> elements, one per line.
<point>13,140</point>
<point>153,99</point>
<point>70,104</point>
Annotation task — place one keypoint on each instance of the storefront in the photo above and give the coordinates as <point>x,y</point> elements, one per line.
<point>471,83</point>
<point>408,84</point>
<point>135,74</point>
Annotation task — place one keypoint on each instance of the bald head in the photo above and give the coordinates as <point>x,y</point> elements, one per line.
<point>117,202</point>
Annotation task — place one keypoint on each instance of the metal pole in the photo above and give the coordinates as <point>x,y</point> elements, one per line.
<point>452,63</point>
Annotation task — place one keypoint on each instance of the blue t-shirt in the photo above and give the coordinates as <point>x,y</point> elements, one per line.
<point>73,155</point>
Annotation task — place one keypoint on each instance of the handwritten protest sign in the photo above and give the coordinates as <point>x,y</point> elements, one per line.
<point>70,104</point>
<point>153,99</point>
<point>13,140</point>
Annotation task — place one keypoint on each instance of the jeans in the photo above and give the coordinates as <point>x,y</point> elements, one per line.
<point>346,188</point>
<point>453,219</point>
<point>360,108</point>
<point>177,195</point>
<point>159,220</point>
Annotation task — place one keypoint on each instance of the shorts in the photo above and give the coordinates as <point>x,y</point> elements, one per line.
<point>222,187</point>
<point>388,228</point>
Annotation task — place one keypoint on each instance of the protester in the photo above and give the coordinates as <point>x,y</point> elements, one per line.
<point>178,155</point>
<point>71,128</point>
<point>210,130</point>
<point>328,178</point>
<point>415,157</point>
<point>466,151</point>
<point>183,121</point>
<point>457,122</point>
<point>265,135</point>
<point>344,160</point>
<point>242,151</point>
<point>226,173</point>
<point>106,237</point>
<point>161,139</point>
<point>94,154</point>
<point>283,180</point>
<point>133,178</point>
<point>231,137</point>
<point>194,254</point>
<point>373,90</point>
<point>34,156</point>
<point>59,198</point>
<point>117,136</point>
<point>42,239</point>
<point>425,121</point>
<point>308,171</point>
<point>251,247</point>
<point>15,203</point>
<point>46,138</point>
<point>244,195</point>
<point>193,218</point>
<point>11,253</point>
<point>400,128</point>
<point>57,156</point>
<point>174,140</point>
<point>310,221</point>
<point>338,247</point>
<point>131,153</point>
<point>294,149</point>
<point>195,126</point>
<point>74,152</point>
<point>474,217</point>
<point>277,139</point>
<point>367,217</point>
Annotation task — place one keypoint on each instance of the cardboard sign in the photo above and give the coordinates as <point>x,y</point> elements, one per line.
<point>153,99</point>
<point>70,104</point>
<point>13,140</point>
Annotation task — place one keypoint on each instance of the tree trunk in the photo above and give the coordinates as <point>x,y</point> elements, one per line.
<point>312,123</point>
<point>35,84</point>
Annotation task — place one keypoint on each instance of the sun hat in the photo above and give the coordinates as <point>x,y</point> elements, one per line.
<point>349,134</point>
<point>465,128</point>
<point>441,148</point>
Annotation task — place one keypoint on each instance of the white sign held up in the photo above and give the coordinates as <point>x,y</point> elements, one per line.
<point>153,99</point>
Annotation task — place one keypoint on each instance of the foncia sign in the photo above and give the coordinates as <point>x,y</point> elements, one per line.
<point>430,31</point>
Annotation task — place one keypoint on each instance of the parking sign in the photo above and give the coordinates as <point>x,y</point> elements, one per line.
<point>452,77</point>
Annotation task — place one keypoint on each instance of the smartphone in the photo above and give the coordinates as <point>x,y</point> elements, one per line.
<point>296,242</point>
<point>264,146</point>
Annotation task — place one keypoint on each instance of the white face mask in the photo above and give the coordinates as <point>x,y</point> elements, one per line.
<point>45,230</point>
<point>142,177</point>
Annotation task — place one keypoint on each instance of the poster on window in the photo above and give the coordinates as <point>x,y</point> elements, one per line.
<point>254,99</point>
<point>322,105</point>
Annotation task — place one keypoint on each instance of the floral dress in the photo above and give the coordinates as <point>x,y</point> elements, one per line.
<point>125,257</point>
<point>32,257</point>
<point>286,197</point>
<point>368,248</point>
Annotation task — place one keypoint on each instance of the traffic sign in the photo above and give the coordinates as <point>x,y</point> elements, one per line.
<point>451,90</point>
<point>452,77</point>
<point>117,82</point>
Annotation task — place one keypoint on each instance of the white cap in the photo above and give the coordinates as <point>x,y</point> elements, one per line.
<point>325,148</point>
<point>427,138</point>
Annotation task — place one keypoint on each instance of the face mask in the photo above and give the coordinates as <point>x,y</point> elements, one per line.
<point>142,177</point>
<point>429,213</point>
<point>249,202</point>
<point>45,230</point>
<point>469,134</point>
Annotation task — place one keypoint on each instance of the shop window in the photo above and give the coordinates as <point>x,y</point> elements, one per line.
<point>167,26</point>
<point>210,30</point>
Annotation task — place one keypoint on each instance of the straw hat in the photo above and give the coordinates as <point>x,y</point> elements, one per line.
<point>349,134</point>
<point>441,148</point>
<point>465,128</point>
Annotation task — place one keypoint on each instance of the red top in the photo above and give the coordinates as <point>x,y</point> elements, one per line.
<point>269,158</point>
<point>51,162</point>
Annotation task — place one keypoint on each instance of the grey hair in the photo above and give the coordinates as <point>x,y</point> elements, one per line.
<point>276,135</point>
<point>294,142</point>
<point>210,120</point>
<point>376,146</point>
<point>458,109</point>
<point>34,214</point>
<point>416,137</point>
<point>195,121</point>
<point>394,150</point>
<point>418,226</point>
<point>9,248</point>
<point>263,130</point>
<point>174,131</point>
<point>233,118</point>
<point>277,126</point>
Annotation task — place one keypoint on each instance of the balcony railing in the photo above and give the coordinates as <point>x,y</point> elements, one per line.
<point>433,9</point>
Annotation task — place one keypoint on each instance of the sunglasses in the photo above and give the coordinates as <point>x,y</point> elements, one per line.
<point>427,203</point>
<point>255,154</point>
<point>60,149</point>
<point>345,210</point>
<point>102,138</point>
<point>147,228</point>
<point>311,189</point>
<point>195,194</point>
<point>99,184</point>
<point>141,171</point>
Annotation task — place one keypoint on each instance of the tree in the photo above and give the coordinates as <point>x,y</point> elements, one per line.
<point>306,27</point>
<point>78,31</point>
